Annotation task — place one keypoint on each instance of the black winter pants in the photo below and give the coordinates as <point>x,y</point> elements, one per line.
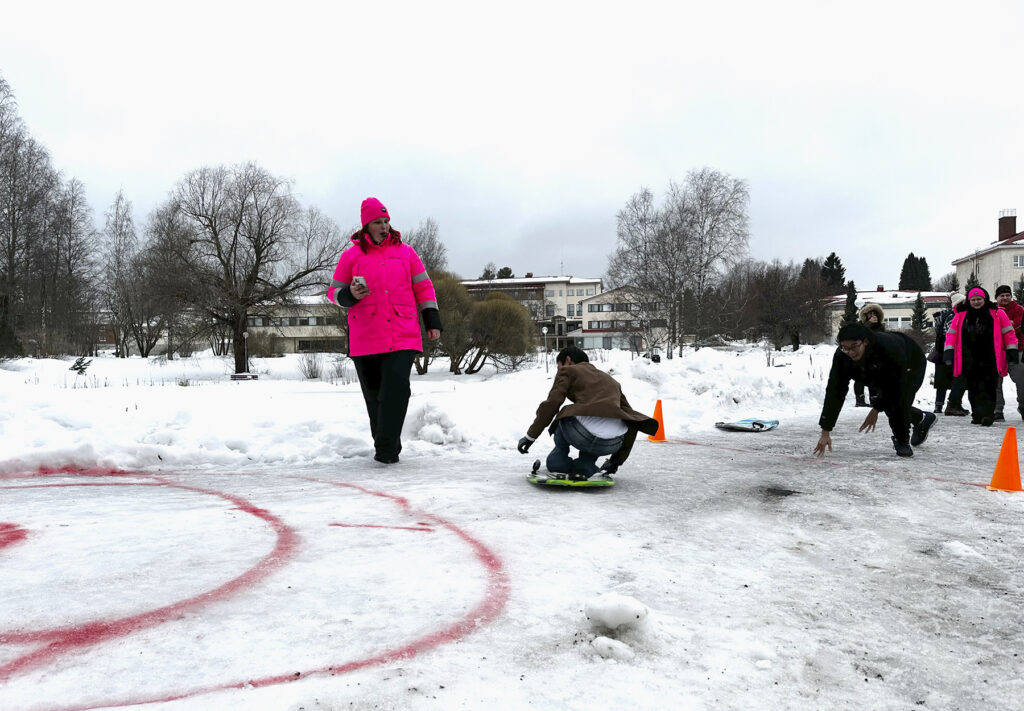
<point>981,392</point>
<point>900,410</point>
<point>384,379</point>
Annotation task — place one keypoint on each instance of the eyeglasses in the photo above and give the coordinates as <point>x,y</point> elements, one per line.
<point>851,348</point>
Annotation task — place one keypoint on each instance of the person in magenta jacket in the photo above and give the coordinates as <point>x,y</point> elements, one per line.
<point>1014,312</point>
<point>382,282</point>
<point>979,345</point>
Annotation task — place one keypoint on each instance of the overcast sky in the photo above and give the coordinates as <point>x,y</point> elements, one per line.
<point>871,129</point>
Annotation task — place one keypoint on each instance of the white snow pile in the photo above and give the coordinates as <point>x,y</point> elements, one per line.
<point>616,615</point>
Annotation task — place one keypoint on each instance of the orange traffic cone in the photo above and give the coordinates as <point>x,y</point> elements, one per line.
<point>1007,474</point>
<point>658,436</point>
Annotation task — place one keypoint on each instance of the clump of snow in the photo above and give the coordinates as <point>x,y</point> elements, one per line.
<point>612,649</point>
<point>432,424</point>
<point>613,611</point>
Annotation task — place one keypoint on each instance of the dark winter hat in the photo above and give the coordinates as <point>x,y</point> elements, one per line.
<point>1003,289</point>
<point>853,332</point>
<point>372,209</point>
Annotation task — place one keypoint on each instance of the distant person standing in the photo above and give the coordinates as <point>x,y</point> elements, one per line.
<point>383,284</point>
<point>944,380</point>
<point>1014,312</point>
<point>872,316</point>
<point>893,367</point>
<point>979,344</point>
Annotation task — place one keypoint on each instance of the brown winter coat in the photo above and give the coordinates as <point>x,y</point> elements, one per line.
<point>592,392</point>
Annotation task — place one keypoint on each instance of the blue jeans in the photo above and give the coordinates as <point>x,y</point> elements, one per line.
<point>570,432</point>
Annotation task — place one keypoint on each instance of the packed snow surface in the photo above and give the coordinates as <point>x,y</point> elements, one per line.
<point>171,539</point>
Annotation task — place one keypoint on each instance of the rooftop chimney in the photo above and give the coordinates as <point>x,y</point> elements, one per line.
<point>1007,224</point>
<point>881,287</point>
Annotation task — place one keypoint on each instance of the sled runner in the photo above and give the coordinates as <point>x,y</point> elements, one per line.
<point>751,424</point>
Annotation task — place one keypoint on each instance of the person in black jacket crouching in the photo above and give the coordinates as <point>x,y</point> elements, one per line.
<point>893,366</point>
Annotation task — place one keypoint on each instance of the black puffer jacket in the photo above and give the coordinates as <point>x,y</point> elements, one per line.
<point>890,361</point>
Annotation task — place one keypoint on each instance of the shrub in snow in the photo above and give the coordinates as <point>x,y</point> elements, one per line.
<point>615,612</point>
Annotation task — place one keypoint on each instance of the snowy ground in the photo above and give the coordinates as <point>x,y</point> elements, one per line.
<point>230,545</point>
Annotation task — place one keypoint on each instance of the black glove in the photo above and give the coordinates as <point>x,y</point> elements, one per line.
<point>524,445</point>
<point>609,467</point>
<point>1013,356</point>
<point>947,357</point>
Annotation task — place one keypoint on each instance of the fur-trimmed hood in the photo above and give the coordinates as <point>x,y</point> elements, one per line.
<point>869,309</point>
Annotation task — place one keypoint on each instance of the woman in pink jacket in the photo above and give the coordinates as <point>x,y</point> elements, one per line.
<point>383,284</point>
<point>979,344</point>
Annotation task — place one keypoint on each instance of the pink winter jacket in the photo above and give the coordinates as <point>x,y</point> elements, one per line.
<point>387,319</point>
<point>1002,336</point>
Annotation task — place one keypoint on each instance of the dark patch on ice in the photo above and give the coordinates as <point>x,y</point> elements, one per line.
<point>775,492</point>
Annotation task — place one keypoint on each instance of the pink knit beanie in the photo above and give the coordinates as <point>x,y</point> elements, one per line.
<point>975,292</point>
<point>372,209</point>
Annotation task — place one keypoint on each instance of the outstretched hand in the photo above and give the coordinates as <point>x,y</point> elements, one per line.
<point>825,440</point>
<point>869,422</point>
<point>524,445</point>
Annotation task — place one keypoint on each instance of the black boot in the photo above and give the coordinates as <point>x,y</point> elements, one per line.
<point>861,402</point>
<point>902,448</point>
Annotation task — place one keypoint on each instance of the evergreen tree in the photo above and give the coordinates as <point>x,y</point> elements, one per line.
<point>1018,290</point>
<point>506,273</point>
<point>924,274</point>
<point>919,316</point>
<point>833,273</point>
<point>489,272</point>
<point>972,281</point>
<point>906,271</point>
<point>915,274</point>
<point>811,268</point>
<point>850,313</point>
<point>954,286</point>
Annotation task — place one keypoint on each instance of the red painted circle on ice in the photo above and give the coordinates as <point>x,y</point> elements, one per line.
<point>60,641</point>
<point>11,533</point>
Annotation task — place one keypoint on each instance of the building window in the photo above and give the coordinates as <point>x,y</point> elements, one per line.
<point>570,292</point>
<point>569,311</point>
<point>550,310</point>
<point>590,292</point>
<point>559,292</point>
<point>549,292</point>
<point>1018,261</point>
<point>579,310</point>
<point>607,307</point>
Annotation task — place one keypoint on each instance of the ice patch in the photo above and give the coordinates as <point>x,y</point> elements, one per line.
<point>962,550</point>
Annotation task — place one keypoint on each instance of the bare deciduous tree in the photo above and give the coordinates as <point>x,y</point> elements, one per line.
<point>425,239</point>
<point>701,229</point>
<point>247,243</point>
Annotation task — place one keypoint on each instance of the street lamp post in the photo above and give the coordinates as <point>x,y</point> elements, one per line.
<point>245,349</point>
<point>544,330</point>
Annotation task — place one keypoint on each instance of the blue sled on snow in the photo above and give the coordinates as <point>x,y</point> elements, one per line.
<point>751,424</point>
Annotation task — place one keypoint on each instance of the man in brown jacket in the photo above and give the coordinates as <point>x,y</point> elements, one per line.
<point>599,421</point>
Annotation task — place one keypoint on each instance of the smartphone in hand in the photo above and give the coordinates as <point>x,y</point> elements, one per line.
<point>360,280</point>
